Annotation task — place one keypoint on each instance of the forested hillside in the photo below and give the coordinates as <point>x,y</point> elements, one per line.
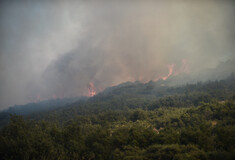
<point>132,121</point>
<point>37,107</point>
<point>148,96</point>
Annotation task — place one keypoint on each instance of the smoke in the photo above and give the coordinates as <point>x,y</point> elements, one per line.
<point>57,49</point>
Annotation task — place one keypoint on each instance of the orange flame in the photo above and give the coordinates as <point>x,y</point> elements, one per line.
<point>185,68</point>
<point>91,90</point>
<point>170,68</point>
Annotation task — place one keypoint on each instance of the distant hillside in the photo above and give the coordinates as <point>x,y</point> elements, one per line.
<point>149,96</point>
<point>163,88</point>
<point>131,121</point>
<point>129,95</point>
<point>37,107</point>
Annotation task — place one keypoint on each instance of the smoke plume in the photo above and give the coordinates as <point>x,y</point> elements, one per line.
<point>56,49</point>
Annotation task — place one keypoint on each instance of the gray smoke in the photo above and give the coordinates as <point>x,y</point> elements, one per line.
<point>56,48</point>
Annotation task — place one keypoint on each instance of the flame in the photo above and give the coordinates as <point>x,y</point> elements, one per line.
<point>91,90</point>
<point>184,68</point>
<point>170,71</point>
<point>54,96</point>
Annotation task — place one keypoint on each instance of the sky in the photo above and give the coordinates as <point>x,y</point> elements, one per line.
<point>56,49</point>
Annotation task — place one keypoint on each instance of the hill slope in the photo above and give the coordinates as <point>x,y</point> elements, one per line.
<point>132,121</point>
<point>148,96</point>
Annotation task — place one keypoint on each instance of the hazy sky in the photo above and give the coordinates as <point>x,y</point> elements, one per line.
<point>56,48</point>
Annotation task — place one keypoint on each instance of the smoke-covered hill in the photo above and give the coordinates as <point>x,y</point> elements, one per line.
<point>149,95</point>
<point>140,121</point>
<point>128,95</point>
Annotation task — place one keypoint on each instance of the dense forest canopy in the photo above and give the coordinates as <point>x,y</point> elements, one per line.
<point>131,121</point>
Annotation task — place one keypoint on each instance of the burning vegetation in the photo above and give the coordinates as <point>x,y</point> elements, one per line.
<point>91,89</point>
